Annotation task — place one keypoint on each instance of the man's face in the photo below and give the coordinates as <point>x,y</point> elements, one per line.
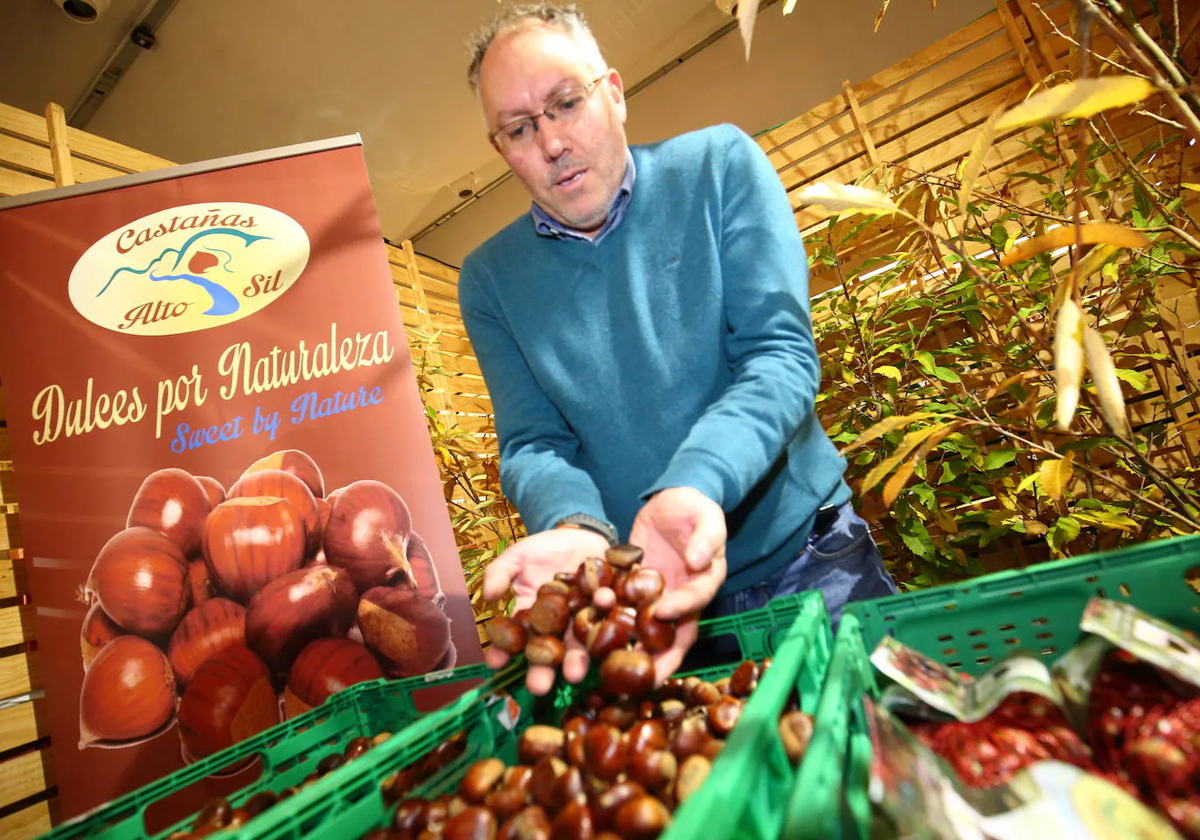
<point>572,171</point>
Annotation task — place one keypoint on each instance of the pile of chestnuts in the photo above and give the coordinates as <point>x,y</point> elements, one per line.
<point>615,770</point>
<point>621,639</point>
<point>225,611</point>
<point>218,815</point>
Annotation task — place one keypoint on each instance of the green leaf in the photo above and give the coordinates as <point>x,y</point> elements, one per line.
<point>998,458</point>
<point>1063,531</point>
<point>925,493</point>
<point>865,457</point>
<point>916,539</point>
<point>946,374</point>
<point>1136,378</point>
<point>952,469</point>
<point>925,360</point>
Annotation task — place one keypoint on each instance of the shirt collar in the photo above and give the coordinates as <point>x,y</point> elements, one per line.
<point>546,226</point>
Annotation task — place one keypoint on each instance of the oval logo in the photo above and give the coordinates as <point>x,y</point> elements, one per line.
<point>189,268</point>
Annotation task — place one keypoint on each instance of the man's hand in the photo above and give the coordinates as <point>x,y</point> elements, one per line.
<point>682,534</point>
<point>526,565</point>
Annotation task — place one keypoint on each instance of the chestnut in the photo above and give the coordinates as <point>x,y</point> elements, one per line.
<point>424,571</point>
<point>744,679</point>
<point>277,484</point>
<point>567,788</point>
<point>505,802</point>
<point>330,763</point>
<point>550,614</point>
<point>795,731</point>
<point>608,803</point>
<point>229,699</point>
<point>539,741</point>
<point>584,620</point>
<point>653,769</point>
<point>642,818</point>
<point>128,692</point>
<point>529,824</point>
<point>97,631</point>
<point>596,574</point>
<point>641,586</point>
<point>604,751</point>
<point>612,634</point>
<point>621,714</point>
<point>356,747</point>
<point>252,540</point>
<point>410,816</point>
<point>473,823</point>
<point>297,608</point>
<point>140,579</point>
<point>655,634</point>
<point>648,735</point>
<point>172,502</point>
<point>207,629</point>
<point>576,600</point>
<point>627,673</point>
<point>691,738</point>
<point>368,534</point>
<point>542,783</point>
<point>623,556</point>
<point>703,694</point>
<point>214,489</point>
<point>295,462</point>
<point>723,715</point>
<point>480,779</point>
<point>323,668</point>
<point>545,650</point>
<point>574,822</point>
<point>200,582</point>
<point>518,777</point>
<point>691,776</point>
<point>410,634</point>
<point>507,634</point>
<point>217,811</point>
<point>672,711</point>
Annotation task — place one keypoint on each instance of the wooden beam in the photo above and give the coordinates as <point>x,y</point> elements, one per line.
<point>60,152</point>
<point>860,123</point>
<point>1037,27</point>
<point>27,823</point>
<point>1018,42</point>
<point>438,396</point>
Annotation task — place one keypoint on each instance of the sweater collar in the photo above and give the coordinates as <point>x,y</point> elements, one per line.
<point>544,225</point>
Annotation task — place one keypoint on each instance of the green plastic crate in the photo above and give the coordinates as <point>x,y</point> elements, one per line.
<point>970,626</point>
<point>742,798</point>
<point>288,752</point>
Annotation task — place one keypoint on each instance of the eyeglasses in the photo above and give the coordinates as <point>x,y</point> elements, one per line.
<point>565,108</point>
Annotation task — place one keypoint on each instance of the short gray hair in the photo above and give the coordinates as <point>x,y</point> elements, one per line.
<point>564,16</point>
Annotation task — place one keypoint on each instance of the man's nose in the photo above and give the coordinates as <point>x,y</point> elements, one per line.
<point>551,138</point>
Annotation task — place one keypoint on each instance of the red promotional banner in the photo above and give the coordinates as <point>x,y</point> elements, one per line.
<point>228,497</point>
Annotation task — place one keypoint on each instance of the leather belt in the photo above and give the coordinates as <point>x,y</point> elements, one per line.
<point>827,516</point>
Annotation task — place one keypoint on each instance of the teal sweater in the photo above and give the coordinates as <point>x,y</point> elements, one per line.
<point>676,352</point>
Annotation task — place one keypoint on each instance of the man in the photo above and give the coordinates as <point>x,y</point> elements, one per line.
<point>645,337</point>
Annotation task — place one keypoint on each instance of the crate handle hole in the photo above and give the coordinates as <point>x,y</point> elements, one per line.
<point>1012,641</point>
<point>1049,651</point>
<point>980,646</point>
<point>945,638</point>
<point>974,632</point>
<point>1045,635</point>
<point>1004,628</point>
<point>1039,622</point>
<point>1092,578</point>
<point>1100,591</point>
<point>1125,590</point>
<point>949,651</point>
<point>1192,578</point>
<point>983,660</point>
<point>954,664</point>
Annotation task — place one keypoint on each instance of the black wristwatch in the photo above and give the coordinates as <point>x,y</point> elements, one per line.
<point>589,523</point>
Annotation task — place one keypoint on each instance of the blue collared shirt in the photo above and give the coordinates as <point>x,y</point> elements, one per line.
<point>546,226</point>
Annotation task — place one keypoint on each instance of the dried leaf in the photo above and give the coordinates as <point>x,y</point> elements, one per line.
<point>1068,361</point>
<point>788,6</point>
<point>1108,384</point>
<point>1055,474</point>
<point>1081,98</point>
<point>879,15</point>
<point>747,13</point>
<point>1189,186</point>
<point>1093,233</point>
<point>974,161</point>
<point>1012,380</point>
<point>896,482</point>
<point>842,198</point>
<point>884,426</point>
<point>928,438</point>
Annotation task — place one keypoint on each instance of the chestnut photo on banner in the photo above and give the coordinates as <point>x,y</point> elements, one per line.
<point>230,504</point>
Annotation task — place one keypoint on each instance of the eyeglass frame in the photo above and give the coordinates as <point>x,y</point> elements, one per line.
<point>589,88</point>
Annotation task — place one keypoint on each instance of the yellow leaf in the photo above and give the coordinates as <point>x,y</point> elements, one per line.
<point>884,426</point>
<point>949,523</point>
<point>1068,361</point>
<point>1033,528</point>
<point>1093,233</point>
<point>1012,380</point>
<point>1081,98</point>
<point>844,198</point>
<point>1108,385</point>
<point>1192,187</point>
<point>896,482</point>
<point>879,15</point>
<point>1055,474</point>
<point>1027,482</point>
<point>878,472</point>
<point>889,371</point>
<point>973,163</point>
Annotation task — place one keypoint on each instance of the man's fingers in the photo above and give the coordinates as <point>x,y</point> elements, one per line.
<point>500,573</point>
<point>707,540</point>
<point>495,658</point>
<point>540,679</point>
<point>668,662</point>
<point>604,598</point>
<point>575,660</point>
<point>694,594</point>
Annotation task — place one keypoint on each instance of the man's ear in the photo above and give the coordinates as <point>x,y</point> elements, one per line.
<point>616,89</point>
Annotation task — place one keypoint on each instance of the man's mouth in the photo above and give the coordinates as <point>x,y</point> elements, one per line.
<point>570,177</point>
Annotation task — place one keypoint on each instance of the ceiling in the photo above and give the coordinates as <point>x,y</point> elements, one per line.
<point>230,76</point>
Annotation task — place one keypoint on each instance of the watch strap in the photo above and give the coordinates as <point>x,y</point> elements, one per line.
<point>589,523</point>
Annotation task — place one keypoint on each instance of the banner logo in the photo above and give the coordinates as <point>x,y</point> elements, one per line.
<point>189,268</point>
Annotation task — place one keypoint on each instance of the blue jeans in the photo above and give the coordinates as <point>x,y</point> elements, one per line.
<point>843,563</point>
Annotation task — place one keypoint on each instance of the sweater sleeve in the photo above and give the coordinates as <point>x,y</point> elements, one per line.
<point>537,448</point>
<point>768,342</point>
